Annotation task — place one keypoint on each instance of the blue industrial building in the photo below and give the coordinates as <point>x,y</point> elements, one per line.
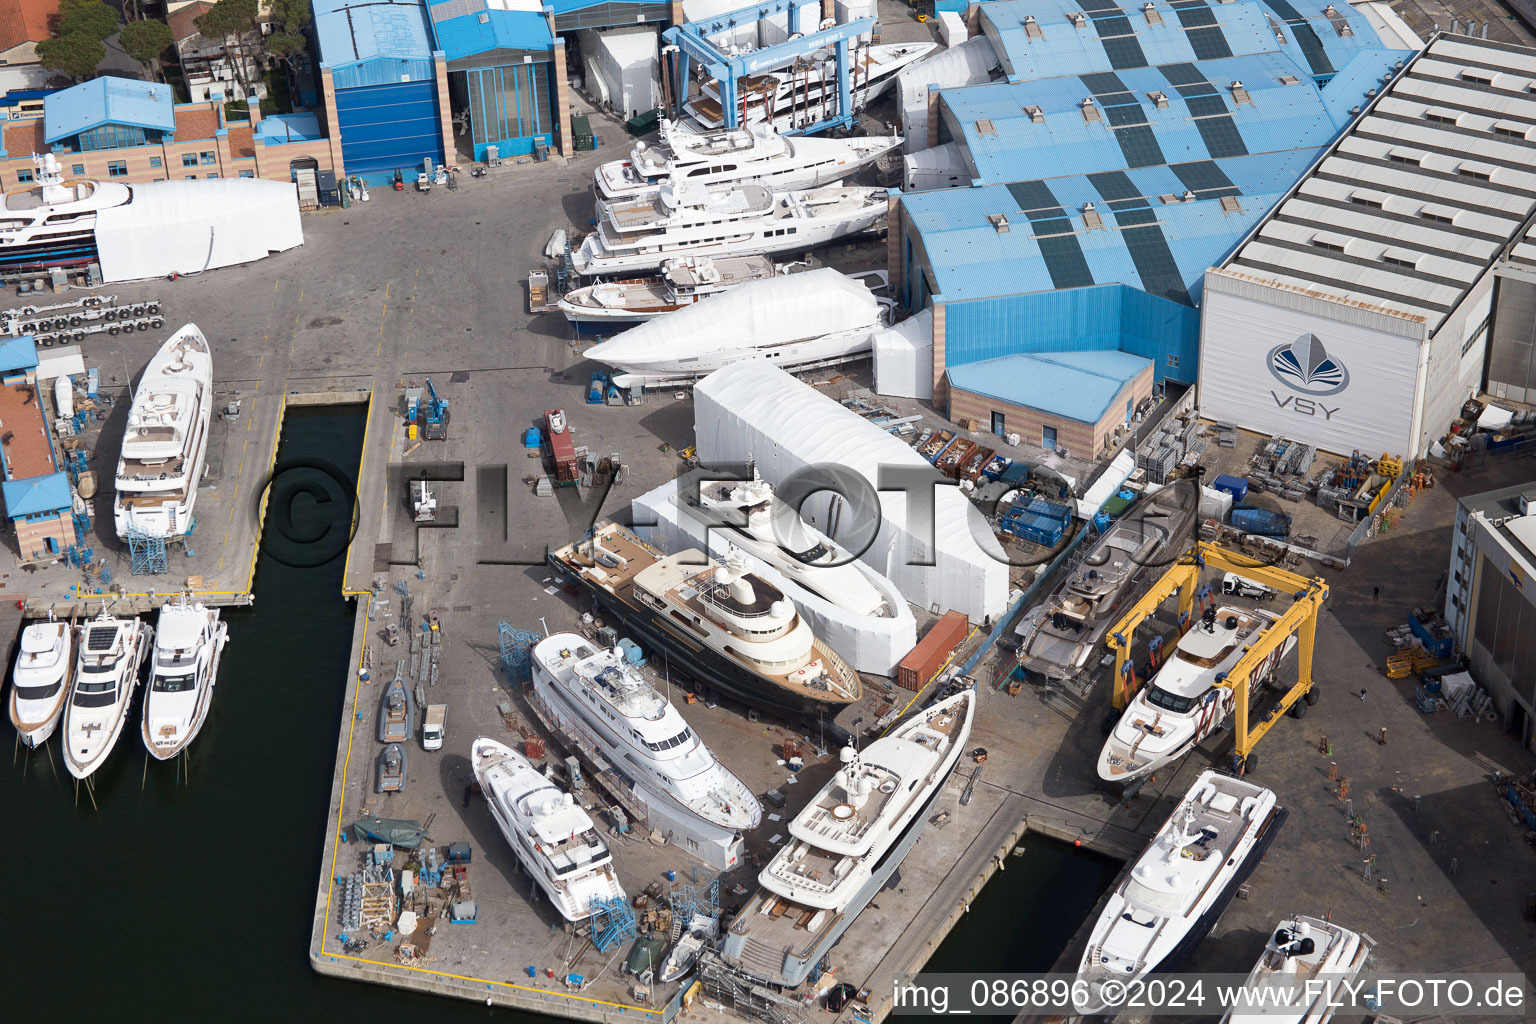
<point>1127,150</point>
<point>109,113</point>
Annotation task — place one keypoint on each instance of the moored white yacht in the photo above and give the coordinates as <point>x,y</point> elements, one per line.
<point>40,680</point>
<point>683,219</point>
<point>685,790</point>
<point>108,655</point>
<point>1304,951</point>
<point>817,317</point>
<point>770,530</point>
<point>700,930</point>
<point>682,281</point>
<point>806,93</point>
<point>165,441</point>
<point>846,843</point>
<point>717,622</point>
<point>189,638</point>
<point>52,223</point>
<point>551,835</point>
<point>730,156</point>
<point>1169,900</point>
<point>1182,704</point>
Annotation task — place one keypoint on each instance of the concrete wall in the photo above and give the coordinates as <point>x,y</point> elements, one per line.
<point>1454,369</point>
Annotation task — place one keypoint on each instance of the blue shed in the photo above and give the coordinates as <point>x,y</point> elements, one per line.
<point>501,72</point>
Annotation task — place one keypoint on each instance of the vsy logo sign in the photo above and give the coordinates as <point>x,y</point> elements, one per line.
<point>1305,366</point>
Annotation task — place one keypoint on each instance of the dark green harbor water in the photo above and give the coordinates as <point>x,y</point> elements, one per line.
<point>184,892</point>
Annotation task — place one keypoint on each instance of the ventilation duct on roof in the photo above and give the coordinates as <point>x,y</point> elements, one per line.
<point>1090,112</point>
<point>1036,114</point>
<point>1154,16</point>
<point>1091,219</point>
<point>1190,197</point>
<point>1240,94</point>
<point>998,222</point>
<point>1078,19</point>
<point>1159,99</point>
<point>1032,28</point>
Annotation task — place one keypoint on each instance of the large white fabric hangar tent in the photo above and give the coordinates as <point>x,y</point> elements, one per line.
<point>186,227</point>
<point>754,410</point>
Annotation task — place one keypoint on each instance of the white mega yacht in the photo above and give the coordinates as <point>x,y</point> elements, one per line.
<point>1179,885</point>
<point>189,638</point>
<point>754,155</point>
<point>166,440</point>
<point>1182,704</point>
<point>770,530</point>
<point>806,93</point>
<point>846,843</point>
<point>52,223</point>
<point>682,281</point>
<point>686,791</point>
<point>814,318</point>
<point>553,838</point>
<point>684,219</point>
<point>106,674</point>
<point>40,680</point>
<point>1303,950</point>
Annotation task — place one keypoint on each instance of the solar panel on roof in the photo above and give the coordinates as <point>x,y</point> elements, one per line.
<point>1221,137</point>
<point>1205,178</point>
<point>1311,46</point>
<point>1182,74</point>
<point>1149,250</point>
<point>99,638</point>
<point>1103,83</point>
<point>1139,146</point>
<point>1061,253</point>
<point>1124,52</point>
<point>1203,31</point>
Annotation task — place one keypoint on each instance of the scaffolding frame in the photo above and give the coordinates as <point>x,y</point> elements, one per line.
<point>516,651</point>
<point>613,921</point>
<point>146,553</point>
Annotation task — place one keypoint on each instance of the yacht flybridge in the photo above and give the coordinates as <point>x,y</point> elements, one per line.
<point>165,442</point>
<point>107,663</point>
<point>189,639</point>
<point>687,219</point>
<point>755,154</point>
<point>52,223</point>
<point>1303,951</point>
<point>40,680</point>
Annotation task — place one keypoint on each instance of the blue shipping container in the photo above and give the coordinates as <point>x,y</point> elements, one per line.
<point>1261,521</point>
<point>1233,485</point>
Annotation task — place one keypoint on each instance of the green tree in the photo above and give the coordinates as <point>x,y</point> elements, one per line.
<point>286,42</point>
<point>145,41</point>
<point>76,55</point>
<point>90,18</point>
<point>230,20</point>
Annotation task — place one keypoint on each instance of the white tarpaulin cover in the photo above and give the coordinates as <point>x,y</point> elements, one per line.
<point>869,643</point>
<point>970,63</point>
<point>943,166</point>
<point>622,68</point>
<point>952,30</point>
<point>772,311</point>
<point>904,358</point>
<point>1104,488</point>
<point>753,409</point>
<point>185,227</point>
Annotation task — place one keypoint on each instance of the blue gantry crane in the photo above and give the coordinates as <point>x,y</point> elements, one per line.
<point>692,42</point>
<point>435,415</point>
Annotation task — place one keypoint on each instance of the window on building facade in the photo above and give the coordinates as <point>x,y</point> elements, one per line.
<point>117,169</point>
<point>154,161</point>
<point>189,159</point>
<point>211,174</point>
<point>191,177</point>
<point>209,157</point>
<point>78,170</point>
<point>24,177</point>
<point>247,174</point>
<point>112,136</point>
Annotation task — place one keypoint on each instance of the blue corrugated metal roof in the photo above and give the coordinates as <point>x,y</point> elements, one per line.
<point>969,258</point>
<point>1363,73</point>
<point>18,354</point>
<point>482,31</point>
<point>352,31</point>
<point>1115,38</point>
<point>108,101</point>
<point>1073,385</point>
<point>1200,119</point>
<point>35,495</point>
<point>277,129</point>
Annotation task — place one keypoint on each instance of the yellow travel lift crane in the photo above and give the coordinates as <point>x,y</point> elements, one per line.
<point>1300,620</point>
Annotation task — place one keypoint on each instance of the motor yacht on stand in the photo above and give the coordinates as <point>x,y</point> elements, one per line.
<point>685,791</point>
<point>107,662</point>
<point>683,281</point>
<point>1182,704</point>
<point>189,639</point>
<point>165,442</point>
<point>1060,633</point>
<point>815,318</point>
<point>1303,951</point>
<point>552,837</point>
<point>684,219</point>
<point>716,623</point>
<point>52,223</point>
<point>700,931</point>
<point>806,93</point>
<point>754,155</point>
<point>40,680</point>
<point>845,845</point>
<point>1179,885</point>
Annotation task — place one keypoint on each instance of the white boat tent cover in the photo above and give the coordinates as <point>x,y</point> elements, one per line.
<point>868,643</point>
<point>970,63</point>
<point>1101,490</point>
<point>942,166</point>
<point>754,409</point>
<point>904,358</point>
<point>622,67</point>
<point>773,311</point>
<point>186,227</point>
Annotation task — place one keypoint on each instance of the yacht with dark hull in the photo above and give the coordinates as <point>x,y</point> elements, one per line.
<point>1060,634</point>
<point>718,623</point>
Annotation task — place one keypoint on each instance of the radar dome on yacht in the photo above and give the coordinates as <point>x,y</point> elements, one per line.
<point>567,799</point>
<point>780,609</point>
<point>722,575</point>
<point>847,754</point>
<point>547,807</point>
<point>640,147</point>
<point>1302,929</point>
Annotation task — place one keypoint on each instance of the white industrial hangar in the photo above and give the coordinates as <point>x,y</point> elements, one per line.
<point>1357,314</point>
